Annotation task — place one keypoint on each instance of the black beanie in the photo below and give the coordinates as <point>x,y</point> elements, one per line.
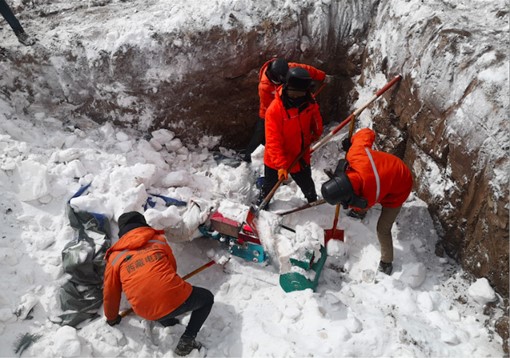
<point>129,221</point>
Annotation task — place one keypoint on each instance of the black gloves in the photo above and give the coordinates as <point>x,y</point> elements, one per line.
<point>115,321</point>
<point>346,144</point>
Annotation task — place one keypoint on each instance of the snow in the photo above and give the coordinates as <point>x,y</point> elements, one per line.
<point>355,311</point>
<point>427,307</point>
<point>481,291</point>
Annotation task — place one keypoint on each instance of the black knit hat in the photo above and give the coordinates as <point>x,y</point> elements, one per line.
<point>129,221</point>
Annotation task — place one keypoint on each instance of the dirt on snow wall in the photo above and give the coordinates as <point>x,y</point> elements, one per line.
<point>217,95</point>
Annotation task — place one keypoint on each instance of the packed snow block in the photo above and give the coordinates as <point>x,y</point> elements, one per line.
<point>275,244</point>
<point>67,343</point>
<point>180,227</point>
<point>176,178</point>
<point>163,136</point>
<point>38,185</point>
<point>307,243</point>
<point>151,155</point>
<point>298,254</point>
<point>289,248</point>
<point>134,176</point>
<point>482,292</point>
<point>414,274</point>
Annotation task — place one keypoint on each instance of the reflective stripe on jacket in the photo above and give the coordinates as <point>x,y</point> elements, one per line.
<point>267,89</point>
<point>142,265</point>
<point>288,132</point>
<point>377,176</point>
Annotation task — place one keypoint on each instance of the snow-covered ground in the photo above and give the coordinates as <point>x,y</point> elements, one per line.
<point>427,307</point>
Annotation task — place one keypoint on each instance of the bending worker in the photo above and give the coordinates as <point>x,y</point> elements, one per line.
<point>368,177</point>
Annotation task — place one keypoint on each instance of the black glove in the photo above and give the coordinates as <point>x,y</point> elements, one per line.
<point>115,321</point>
<point>346,144</point>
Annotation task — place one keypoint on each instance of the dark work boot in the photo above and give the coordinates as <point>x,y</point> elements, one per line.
<point>186,345</point>
<point>25,39</point>
<point>311,198</point>
<point>386,268</point>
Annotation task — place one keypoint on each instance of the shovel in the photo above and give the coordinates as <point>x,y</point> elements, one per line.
<point>295,281</point>
<point>329,234</point>
<point>354,114</point>
<point>254,212</point>
<point>335,130</point>
<point>306,206</point>
<point>333,233</point>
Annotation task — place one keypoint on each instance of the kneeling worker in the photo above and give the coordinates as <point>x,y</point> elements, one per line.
<point>142,265</point>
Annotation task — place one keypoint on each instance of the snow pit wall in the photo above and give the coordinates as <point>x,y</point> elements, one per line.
<point>204,81</point>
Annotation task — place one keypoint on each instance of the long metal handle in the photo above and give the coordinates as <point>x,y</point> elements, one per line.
<point>306,206</point>
<point>354,114</point>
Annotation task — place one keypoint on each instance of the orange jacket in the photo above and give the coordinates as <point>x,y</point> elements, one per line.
<point>288,132</point>
<point>142,265</point>
<point>267,89</point>
<point>391,182</point>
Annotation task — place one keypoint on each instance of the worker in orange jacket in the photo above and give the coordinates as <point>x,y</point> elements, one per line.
<point>271,76</point>
<point>293,122</point>
<point>142,265</point>
<point>368,177</point>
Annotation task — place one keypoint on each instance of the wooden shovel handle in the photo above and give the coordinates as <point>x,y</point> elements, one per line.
<point>335,220</point>
<point>200,269</point>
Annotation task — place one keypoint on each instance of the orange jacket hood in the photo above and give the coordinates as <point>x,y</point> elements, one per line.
<point>134,239</point>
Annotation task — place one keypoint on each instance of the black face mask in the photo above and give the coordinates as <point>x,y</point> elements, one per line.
<point>296,102</point>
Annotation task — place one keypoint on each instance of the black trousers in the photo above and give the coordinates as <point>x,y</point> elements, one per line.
<point>6,12</point>
<point>258,138</point>
<point>303,179</point>
<point>199,303</point>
